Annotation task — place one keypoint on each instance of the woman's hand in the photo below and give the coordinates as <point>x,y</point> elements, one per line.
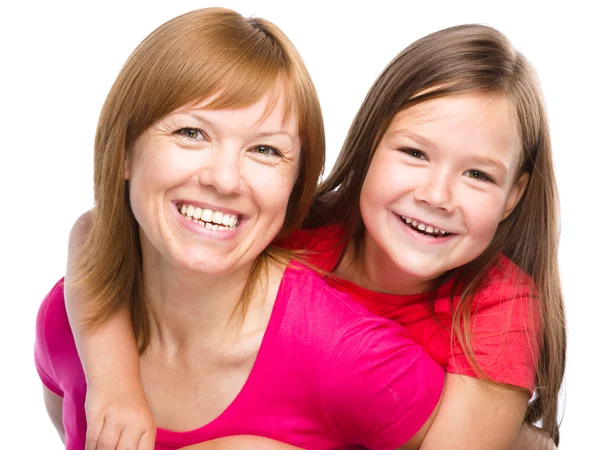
<point>118,416</point>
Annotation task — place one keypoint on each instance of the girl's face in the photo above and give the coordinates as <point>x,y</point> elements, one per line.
<point>210,188</point>
<point>443,177</point>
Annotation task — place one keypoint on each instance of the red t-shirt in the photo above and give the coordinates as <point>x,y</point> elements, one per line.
<point>504,321</point>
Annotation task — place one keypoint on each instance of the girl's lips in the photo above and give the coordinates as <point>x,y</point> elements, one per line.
<point>431,240</point>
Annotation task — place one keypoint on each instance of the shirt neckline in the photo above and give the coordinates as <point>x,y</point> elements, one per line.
<point>219,424</point>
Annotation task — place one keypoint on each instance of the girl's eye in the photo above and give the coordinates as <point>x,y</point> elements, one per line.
<point>478,175</point>
<point>414,153</point>
<point>192,133</point>
<point>266,150</point>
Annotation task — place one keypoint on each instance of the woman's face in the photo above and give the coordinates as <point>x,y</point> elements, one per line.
<point>440,182</point>
<point>210,188</point>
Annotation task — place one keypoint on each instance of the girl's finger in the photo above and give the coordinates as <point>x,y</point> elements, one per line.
<point>147,441</point>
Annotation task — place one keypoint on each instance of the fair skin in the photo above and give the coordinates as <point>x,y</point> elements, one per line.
<point>450,164</point>
<point>244,166</point>
<point>234,162</point>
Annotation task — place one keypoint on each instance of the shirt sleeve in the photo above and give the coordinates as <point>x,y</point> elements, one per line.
<point>504,335</point>
<point>43,358</point>
<point>382,387</point>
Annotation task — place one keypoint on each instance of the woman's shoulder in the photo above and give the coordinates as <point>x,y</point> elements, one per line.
<point>55,351</point>
<point>311,290</point>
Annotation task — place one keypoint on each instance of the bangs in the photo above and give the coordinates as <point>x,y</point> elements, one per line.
<point>189,61</point>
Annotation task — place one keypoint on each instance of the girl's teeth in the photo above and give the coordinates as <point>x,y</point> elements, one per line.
<point>217,217</point>
<point>422,227</point>
<point>207,215</point>
<point>197,213</point>
<point>183,209</point>
<point>190,211</point>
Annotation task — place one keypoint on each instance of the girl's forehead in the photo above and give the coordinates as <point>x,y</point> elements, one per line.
<point>467,109</point>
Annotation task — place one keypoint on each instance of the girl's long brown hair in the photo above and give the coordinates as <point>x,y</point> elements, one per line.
<point>212,52</point>
<point>461,60</point>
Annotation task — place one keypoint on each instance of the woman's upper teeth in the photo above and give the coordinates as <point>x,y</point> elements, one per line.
<point>207,215</point>
<point>422,226</point>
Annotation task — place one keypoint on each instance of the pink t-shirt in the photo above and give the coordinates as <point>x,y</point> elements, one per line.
<point>505,325</point>
<point>328,375</point>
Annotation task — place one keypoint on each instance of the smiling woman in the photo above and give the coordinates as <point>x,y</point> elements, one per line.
<point>208,149</point>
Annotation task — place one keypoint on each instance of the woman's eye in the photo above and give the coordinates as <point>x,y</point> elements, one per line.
<point>266,150</point>
<point>478,175</point>
<point>192,133</point>
<point>414,153</point>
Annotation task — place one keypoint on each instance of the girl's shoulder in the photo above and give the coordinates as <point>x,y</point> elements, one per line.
<point>505,282</point>
<point>321,247</point>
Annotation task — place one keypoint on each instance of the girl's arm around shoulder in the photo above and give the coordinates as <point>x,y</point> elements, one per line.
<point>116,406</point>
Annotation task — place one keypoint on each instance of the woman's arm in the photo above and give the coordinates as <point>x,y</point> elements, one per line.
<point>116,407</point>
<point>54,406</point>
<point>475,414</point>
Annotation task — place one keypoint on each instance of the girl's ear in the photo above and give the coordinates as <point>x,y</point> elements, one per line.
<point>515,194</point>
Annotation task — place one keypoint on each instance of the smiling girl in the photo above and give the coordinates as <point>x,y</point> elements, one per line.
<point>441,214</point>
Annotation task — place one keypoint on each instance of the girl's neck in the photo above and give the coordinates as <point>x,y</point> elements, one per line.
<point>370,267</point>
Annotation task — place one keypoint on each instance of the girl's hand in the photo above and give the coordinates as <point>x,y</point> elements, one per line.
<point>117,412</point>
<point>118,416</point>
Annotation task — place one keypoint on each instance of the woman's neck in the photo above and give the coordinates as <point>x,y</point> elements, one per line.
<point>369,266</point>
<point>187,309</point>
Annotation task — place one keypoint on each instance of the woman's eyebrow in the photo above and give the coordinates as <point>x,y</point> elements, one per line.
<point>275,133</point>
<point>207,122</point>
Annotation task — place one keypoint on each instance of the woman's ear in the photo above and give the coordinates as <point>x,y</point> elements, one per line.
<point>127,173</point>
<point>515,194</point>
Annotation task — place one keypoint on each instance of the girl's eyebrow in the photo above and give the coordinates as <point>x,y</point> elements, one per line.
<point>487,161</point>
<point>424,142</point>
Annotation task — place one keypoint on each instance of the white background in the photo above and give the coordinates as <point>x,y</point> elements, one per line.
<point>58,61</point>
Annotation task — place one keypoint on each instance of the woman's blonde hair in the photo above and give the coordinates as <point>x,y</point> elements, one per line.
<point>461,60</point>
<point>209,53</point>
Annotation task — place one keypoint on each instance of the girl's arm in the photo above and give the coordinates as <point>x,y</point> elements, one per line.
<point>116,407</point>
<point>475,414</point>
